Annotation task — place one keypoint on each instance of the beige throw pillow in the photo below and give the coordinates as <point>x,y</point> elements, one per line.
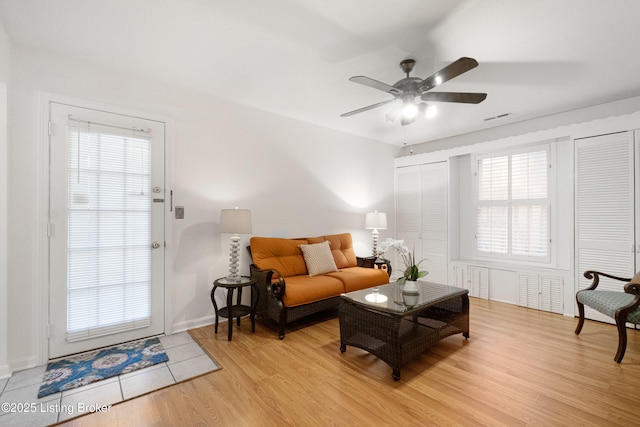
<point>318,258</point>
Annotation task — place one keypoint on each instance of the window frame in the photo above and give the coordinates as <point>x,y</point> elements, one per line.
<point>509,204</point>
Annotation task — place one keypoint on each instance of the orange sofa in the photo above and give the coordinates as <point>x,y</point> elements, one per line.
<point>299,277</point>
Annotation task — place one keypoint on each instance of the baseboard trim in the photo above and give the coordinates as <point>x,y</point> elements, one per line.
<point>192,324</point>
<point>5,372</point>
<point>32,361</point>
<point>18,365</point>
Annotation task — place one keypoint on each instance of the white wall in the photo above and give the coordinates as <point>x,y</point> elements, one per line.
<point>5,65</point>
<point>297,179</point>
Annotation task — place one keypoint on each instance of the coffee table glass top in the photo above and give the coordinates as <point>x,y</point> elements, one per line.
<point>394,298</point>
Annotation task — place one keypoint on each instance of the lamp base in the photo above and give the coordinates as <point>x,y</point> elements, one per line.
<point>234,256</point>
<point>374,237</point>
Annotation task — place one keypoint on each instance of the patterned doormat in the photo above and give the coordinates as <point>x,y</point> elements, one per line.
<point>86,368</point>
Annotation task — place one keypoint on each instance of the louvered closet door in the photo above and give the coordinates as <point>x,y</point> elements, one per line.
<point>421,211</point>
<point>551,294</point>
<point>434,221</point>
<point>408,217</point>
<point>528,290</point>
<point>605,216</point>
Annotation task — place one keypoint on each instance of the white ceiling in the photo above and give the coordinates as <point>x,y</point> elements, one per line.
<point>294,57</point>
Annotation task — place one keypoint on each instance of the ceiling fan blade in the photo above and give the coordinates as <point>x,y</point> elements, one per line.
<point>464,97</point>
<point>370,107</point>
<point>376,84</point>
<point>452,70</point>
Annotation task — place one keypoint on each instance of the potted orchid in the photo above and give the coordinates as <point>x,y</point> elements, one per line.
<point>412,270</point>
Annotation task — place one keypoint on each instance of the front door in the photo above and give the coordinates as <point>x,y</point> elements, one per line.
<point>106,227</point>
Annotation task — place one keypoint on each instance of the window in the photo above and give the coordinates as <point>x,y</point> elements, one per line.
<point>512,204</point>
<point>109,214</point>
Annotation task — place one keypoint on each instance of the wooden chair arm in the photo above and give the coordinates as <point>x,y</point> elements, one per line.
<point>634,289</point>
<point>595,275</point>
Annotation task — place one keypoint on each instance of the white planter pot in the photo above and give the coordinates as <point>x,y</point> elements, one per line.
<point>410,286</point>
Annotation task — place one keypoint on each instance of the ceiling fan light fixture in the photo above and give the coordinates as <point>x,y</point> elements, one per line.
<point>427,110</point>
<point>407,121</point>
<point>391,116</point>
<point>393,113</point>
<point>409,110</point>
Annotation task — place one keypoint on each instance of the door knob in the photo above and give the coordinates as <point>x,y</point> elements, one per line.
<point>155,245</point>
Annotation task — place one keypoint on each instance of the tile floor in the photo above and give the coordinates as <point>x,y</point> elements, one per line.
<point>19,405</point>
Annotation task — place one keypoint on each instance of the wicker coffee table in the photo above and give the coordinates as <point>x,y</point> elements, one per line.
<point>398,326</point>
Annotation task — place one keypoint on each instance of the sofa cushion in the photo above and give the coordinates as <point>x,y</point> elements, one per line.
<point>341,247</point>
<point>356,278</point>
<point>304,289</point>
<point>283,255</point>
<point>318,258</point>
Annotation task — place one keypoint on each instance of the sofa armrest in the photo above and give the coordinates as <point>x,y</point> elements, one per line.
<point>375,262</point>
<point>271,280</point>
<point>367,262</point>
<point>278,285</point>
<point>595,275</point>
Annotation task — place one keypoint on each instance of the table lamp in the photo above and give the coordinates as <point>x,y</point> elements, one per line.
<point>375,221</point>
<point>235,221</point>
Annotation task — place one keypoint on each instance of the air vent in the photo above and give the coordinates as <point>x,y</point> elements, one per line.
<point>499,116</point>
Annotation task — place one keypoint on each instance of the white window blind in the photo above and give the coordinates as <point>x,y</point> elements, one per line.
<point>512,205</point>
<point>109,223</point>
<point>492,234</point>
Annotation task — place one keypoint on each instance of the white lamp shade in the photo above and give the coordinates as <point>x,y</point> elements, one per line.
<point>235,221</point>
<point>376,220</point>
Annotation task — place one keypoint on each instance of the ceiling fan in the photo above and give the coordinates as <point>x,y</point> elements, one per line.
<point>406,91</point>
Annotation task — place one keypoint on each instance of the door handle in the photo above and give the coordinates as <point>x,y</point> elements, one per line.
<point>155,245</point>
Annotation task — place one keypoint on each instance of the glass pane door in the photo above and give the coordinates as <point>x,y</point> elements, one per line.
<point>107,282</point>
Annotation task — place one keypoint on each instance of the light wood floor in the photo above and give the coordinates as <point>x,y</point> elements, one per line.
<point>520,367</point>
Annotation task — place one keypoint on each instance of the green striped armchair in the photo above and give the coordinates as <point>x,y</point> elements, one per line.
<point>621,306</point>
